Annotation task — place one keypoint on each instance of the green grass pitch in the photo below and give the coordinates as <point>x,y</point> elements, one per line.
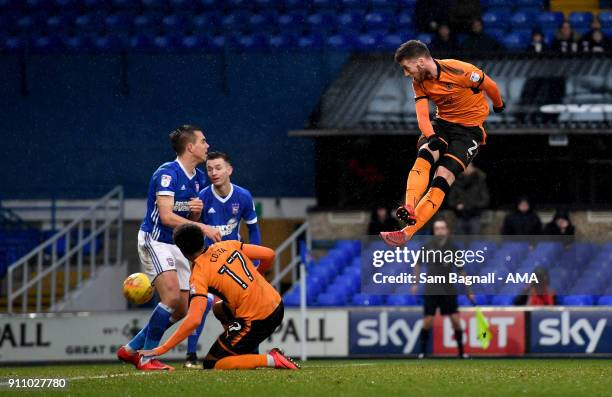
<point>410,377</point>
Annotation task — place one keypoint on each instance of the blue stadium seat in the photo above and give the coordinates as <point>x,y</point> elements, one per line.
<point>340,41</point>
<point>481,300</point>
<point>125,4</point>
<point>384,4</point>
<point>407,3</point>
<point>252,42</point>
<point>325,4</point>
<point>499,19</point>
<point>92,22</point>
<point>296,4</point>
<point>497,34</point>
<point>578,300</point>
<point>13,44</point>
<point>263,21</point>
<point>500,4</point>
<point>166,42</point>
<point>141,42</point>
<point>292,21</point>
<point>367,300</point>
<point>368,42</point>
<point>379,19</point>
<point>266,4</point>
<point>282,41</point>
<point>607,32</point>
<point>206,23</point>
<point>322,20</point>
<point>393,41</point>
<point>402,300</point>
<point>502,300</point>
<point>540,4</point>
<point>60,23</point>
<point>550,20</point>
<point>605,17</point>
<point>425,38</point>
<point>291,300</point>
<point>209,4</point>
<point>176,23</point>
<point>605,300</point>
<point>240,4</point>
<point>46,44</point>
<point>39,5</point>
<point>154,4</point>
<point>216,43</point>
<point>354,4</point>
<point>193,42</point>
<point>147,23</point>
<point>331,299</point>
<point>405,20</point>
<point>523,20</point>
<point>236,21</point>
<point>77,43</point>
<point>119,22</point>
<point>580,20</point>
<point>181,5</point>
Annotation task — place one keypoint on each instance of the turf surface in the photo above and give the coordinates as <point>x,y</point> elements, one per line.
<point>437,377</point>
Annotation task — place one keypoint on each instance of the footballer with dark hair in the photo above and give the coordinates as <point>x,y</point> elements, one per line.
<point>251,308</point>
<point>451,141</point>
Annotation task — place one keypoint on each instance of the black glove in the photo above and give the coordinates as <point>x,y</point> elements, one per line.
<point>434,142</point>
<point>500,108</point>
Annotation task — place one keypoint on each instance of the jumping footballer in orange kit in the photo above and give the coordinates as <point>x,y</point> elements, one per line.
<point>451,141</point>
<point>250,310</point>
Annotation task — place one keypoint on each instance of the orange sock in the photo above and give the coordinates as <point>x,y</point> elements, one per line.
<point>245,361</point>
<point>418,180</point>
<point>429,205</point>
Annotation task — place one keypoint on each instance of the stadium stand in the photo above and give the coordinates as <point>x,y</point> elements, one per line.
<point>253,26</point>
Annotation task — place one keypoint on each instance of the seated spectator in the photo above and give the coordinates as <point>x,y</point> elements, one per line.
<point>537,42</point>
<point>478,40</point>
<point>561,225</point>
<point>596,43</point>
<point>382,221</point>
<point>523,221</point>
<point>595,26</point>
<point>468,197</point>
<point>444,40</point>
<point>566,40</point>
<point>537,294</point>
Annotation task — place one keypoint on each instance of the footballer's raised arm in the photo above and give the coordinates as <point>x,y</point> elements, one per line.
<point>265,254</point>
<point>490,87</point>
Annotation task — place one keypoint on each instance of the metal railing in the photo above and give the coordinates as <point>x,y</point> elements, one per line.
<point>291,243</point>
<point>300,245</point>
<point>104,218</point>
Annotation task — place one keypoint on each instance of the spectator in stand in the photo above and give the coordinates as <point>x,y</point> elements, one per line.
<point>561,225</point>
<point>468,197</point>
<point>595,26</point>
<point>523,221</point>
<point>382,221</point>
<point>430,14</point>
<point>566,39</point>
<point>444,40</point>
<point>537,293</point>
<point>478,40</point>
<point>462,14</point>
<point>597,44</point>
<point>537,42</point>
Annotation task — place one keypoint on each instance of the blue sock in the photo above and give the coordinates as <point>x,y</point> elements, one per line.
<point>138,341</point>
<point>158,324</point>
<point>192,340</point>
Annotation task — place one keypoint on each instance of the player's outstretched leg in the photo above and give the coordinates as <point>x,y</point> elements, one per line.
<point>417,183</point>
<point>276,358</point>
<point>192,341</point>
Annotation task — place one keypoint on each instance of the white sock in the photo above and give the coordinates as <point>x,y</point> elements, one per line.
<point>129,349</point>
<point>270,360</point>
